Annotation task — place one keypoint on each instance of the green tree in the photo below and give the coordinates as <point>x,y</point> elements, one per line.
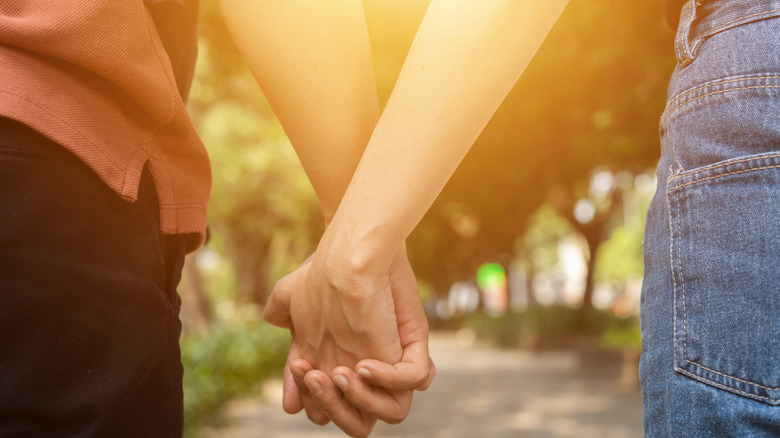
<point>263,214</point>
<point>590,99</point>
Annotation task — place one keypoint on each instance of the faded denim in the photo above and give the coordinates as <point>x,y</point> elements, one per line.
<point>710,364</point>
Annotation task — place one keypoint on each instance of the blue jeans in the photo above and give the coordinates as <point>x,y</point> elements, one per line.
<point>710,364</point>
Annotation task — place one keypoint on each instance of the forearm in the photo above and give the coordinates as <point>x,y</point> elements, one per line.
<point>464,60</point>
<point>313,63</point>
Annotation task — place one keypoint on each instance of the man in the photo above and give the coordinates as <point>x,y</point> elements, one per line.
<point>103,188</point>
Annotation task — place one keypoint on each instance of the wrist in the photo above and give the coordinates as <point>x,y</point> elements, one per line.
<point>354,258</point>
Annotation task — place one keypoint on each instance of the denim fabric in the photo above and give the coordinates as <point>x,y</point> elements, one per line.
<point>89,325</point>
<point>710,364</point>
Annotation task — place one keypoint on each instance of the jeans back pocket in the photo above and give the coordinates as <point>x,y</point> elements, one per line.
<point>725,257</point>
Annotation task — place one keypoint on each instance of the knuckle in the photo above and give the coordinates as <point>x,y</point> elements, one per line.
<point>282,283</point>
<point>321,421</point>
<point>319,418</point>
<point>396,417</point>
<point>328,411</point>
<point>271,310</point>
<point>420,376</point>
<point>302,388</point>
<point>360,432</point>
<point>328,408</point>
<point>358,399</point>
<point>429,378</point>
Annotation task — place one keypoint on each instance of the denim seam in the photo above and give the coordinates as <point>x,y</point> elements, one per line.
<point>681,42</point>
<point>712,84</point>
<point>771,388</point>
<point>682,279</point>
<point>776,166</point>
<point>726,25</point>
<point>701,39</point>
<point>716,92</point>
<point>722,386</point>
<point>673,175</point>
<point>715,166</point>
<point>672,241</point>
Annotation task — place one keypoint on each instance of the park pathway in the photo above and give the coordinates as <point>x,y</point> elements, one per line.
<point>479,391</point>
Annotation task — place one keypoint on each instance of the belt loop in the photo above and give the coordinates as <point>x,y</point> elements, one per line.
<point>682,42</point>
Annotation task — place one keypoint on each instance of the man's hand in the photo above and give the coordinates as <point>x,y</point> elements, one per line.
<point>348,398</point>
<point>336,316</point>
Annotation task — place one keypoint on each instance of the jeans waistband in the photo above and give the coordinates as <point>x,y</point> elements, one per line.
<point>701,19</point>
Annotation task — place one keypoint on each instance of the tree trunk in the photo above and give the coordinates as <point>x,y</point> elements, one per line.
<point>529,287</point>
<point>252,269</point>
<point>593,232</point>
<point>196,313</point>
<point>587,296</point>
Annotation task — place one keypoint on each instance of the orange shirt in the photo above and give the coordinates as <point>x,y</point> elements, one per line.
<point>94,76</point>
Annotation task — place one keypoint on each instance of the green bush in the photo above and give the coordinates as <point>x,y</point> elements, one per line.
<point>554,327</point>
<point>622,338</point>
<point>226,363</point>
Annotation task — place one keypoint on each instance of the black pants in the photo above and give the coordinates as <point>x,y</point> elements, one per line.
<point>89,324</point>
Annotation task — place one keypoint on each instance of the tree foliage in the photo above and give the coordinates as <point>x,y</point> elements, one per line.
<point>590,100</point>
<point>263,214</point>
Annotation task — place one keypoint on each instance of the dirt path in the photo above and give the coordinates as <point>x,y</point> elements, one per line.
<point>480,392</point>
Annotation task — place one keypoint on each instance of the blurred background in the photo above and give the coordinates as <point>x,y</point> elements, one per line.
<point>529,263</point>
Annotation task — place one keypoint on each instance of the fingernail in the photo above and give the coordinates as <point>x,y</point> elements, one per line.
<point>341,382</point>
<point>313,386</point>
<point>364,373</point>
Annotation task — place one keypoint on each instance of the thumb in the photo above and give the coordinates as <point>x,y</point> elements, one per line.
<point>277,308</point>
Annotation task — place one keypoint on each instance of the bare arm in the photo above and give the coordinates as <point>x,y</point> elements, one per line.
<point>464,60</point>
<point>313,62</point>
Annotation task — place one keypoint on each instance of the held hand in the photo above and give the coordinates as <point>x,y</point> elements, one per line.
<point>336,316</point>
<point>415,370</point>
<point>350,401</point>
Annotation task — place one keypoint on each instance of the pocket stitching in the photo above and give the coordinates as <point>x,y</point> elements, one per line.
<point>682,280</point>
<point>675,238</point>
<point>680,96</point>
<point>776,166</point>
<point>727,388</point>
<point>683,173</point>
<point>711,93</point>
<point>672,241</point>
<point>770,388</point>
